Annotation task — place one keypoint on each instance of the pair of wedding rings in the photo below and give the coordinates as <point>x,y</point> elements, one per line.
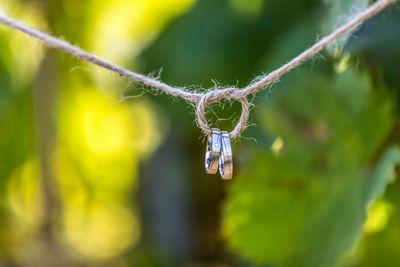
<point>219,154</point>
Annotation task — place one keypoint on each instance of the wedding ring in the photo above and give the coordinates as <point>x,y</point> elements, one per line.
<point>213,151</point>
<point>225,160</point>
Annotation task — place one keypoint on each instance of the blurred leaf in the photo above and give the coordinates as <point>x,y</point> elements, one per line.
<point>305,207</point>
<point>381,248</point>
<point>377,44</point>
<point>383,173</point>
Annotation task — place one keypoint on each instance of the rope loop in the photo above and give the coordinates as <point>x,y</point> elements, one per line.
<point>215,96</point>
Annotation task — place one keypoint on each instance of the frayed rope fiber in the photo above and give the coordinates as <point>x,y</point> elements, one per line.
<point>202,100</point>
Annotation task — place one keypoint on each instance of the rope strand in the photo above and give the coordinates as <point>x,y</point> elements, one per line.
<point>202,100</point>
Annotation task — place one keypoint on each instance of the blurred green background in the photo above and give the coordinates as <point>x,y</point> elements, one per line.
<point>97,171</point>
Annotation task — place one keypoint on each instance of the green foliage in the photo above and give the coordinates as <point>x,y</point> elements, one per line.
<point>380,248</point>
<point>86,181</point>
<point>306,205</point>
<point>370,46</point>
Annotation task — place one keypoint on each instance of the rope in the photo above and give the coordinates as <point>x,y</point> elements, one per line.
<point>202,100</point>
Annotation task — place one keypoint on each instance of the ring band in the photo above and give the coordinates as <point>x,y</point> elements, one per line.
<point>213,151</point>
<point>226,160</point>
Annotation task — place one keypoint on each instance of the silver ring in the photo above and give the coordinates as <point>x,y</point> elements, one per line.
<point>213,151</point>
<point>226,159</point>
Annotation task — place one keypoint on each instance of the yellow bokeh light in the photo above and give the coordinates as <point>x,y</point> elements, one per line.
<point>145,136</point>
<point>277,145</point>
<point>96,125</point>
<point>378,216</point>
<point>105,130</point>
<point>107,139</point>
<point>101,229</point>
<point>24,54</point>
<point>120,29</point>
<point>342,65</point>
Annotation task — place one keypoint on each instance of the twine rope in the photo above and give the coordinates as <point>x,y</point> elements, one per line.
<point>202,100</point>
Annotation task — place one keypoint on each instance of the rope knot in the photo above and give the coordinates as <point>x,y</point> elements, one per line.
<point>215,96</point>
